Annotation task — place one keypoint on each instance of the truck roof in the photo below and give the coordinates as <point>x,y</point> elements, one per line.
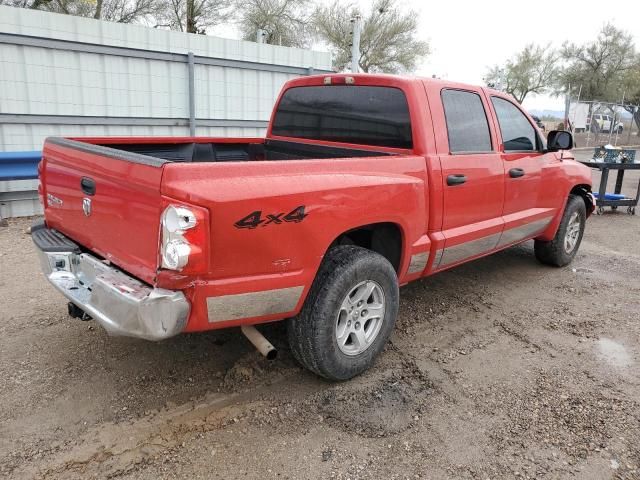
<point>384,79</point>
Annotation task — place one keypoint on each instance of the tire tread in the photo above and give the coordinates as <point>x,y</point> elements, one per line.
<point>552,252</point>
<point>305,330</point>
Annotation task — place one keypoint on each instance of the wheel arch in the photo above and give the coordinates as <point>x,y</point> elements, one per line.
<point>385,238</point>
<point>584,192</point>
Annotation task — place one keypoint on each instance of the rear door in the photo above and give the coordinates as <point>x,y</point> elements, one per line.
<point>472,176</point>
<point>522,150</point>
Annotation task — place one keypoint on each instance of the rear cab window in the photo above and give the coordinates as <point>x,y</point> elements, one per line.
<point>467,124</point>
<point>362,115</point>
<point>518,135</point>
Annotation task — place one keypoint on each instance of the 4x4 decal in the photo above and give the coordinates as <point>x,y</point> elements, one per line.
<point>254,219</point>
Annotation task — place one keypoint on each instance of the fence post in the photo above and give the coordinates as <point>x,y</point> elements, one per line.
<point>192,95</point>
<point>635,109</point>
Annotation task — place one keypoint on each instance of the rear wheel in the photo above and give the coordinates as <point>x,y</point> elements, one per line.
<point>564,246</point>
<point>348,315</point>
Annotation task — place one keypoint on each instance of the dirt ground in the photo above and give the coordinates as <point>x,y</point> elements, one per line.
<point>501,368</point>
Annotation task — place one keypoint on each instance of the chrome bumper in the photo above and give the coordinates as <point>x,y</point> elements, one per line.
<point>118,302</point>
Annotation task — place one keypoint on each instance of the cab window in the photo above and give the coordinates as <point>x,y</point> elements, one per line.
<point>366,115</point>
<point>467,124</point>
<point>517,132</point>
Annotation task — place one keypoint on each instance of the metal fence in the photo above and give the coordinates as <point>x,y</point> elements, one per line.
<point>597,123</point>
<point>62,75</point>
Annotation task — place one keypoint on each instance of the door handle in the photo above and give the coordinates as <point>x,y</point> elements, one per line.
<point>88,185</point>
<point>456,179</point>
<point>516,172</point>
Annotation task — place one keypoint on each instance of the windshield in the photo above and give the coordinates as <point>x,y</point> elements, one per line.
<point>363,115</point>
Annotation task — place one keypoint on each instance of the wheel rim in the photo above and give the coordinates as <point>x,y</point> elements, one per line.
<point>360,318</point>
<point>573,233</point>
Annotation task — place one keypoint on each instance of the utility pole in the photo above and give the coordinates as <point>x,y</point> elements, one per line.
<point>567,103</point>
<point>356,23</point>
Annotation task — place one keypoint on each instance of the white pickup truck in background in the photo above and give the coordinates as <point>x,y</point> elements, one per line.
<point>603,124</point>
<point>582,121</point>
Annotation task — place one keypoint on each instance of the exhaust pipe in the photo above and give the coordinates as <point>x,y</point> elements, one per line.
<point>262,344</point>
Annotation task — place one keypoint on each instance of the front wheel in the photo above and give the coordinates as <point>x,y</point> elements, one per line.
<point>564,246</point>
<point>348,315</point>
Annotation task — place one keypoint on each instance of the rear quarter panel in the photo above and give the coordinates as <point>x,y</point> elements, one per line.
<point>337,195</point>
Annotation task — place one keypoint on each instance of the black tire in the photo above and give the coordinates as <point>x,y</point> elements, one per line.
<point>312,333</point>
<point>555,252</point>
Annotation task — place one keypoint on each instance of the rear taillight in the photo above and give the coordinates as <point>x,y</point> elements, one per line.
<point>183,238</point>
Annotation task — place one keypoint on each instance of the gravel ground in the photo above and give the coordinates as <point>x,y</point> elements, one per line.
<point>501,368</point>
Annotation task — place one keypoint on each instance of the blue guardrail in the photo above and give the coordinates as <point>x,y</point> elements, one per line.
<point>19,165</point>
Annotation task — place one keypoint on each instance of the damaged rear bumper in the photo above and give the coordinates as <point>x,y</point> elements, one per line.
<point>120,303</point>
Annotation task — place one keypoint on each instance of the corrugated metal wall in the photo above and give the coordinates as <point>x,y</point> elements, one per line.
<point>65,75</point>
<point>69,76</point>
<point>19,198</point>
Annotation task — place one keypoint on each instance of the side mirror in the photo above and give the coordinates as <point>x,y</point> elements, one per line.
<point>559,140</point>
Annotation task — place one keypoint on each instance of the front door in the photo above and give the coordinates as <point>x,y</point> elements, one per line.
<point>521,150</point>
<point>473,179</point>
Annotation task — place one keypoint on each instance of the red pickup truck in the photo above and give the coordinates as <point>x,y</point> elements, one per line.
<point>362,183</point>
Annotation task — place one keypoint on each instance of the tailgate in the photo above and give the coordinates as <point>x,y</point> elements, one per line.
<point>106,200</point>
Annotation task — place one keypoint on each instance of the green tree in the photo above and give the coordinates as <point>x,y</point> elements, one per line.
<point>631,88</point>
<point>599,66</point>
<point>532,70</point>
<point>282,22</point>
<point>605,68</point>
<point>388,40</point>
<point>193,16</point>
<point>122,11</point>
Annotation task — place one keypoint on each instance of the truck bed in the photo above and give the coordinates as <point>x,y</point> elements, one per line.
<point>107,194</point>
<point>237,150</point>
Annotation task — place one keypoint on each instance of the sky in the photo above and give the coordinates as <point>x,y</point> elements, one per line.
<point>467,37</point>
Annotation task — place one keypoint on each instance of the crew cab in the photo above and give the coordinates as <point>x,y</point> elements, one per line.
<point>361,184</point>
